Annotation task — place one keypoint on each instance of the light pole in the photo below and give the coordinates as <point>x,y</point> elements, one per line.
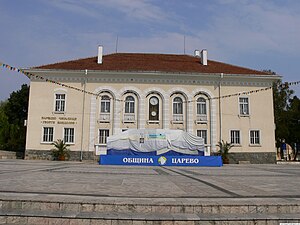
<point>82,122</point>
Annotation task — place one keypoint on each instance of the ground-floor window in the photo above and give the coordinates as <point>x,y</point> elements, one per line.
<point>235,137</point>
<point>254,137</point>
<point>103,134</point>
<point>203,134</point>
<point>48,134</point>
<point>69,135</point>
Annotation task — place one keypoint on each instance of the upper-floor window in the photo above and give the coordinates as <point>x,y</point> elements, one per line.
<point>105,104</point>
<point>201,106</point>
<point>254,137</point>
<point>201,110</point>
<point>60,102</point>
<point>177,106</point>
<point>235,137</point>
<point>177,110</point>
<point>244,105</point>
<point>129,104</point>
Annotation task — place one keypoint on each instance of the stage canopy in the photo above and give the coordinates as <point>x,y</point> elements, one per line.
<point>155,142</point>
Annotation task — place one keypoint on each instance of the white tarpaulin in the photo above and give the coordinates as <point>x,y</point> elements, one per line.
<point>160,140</point>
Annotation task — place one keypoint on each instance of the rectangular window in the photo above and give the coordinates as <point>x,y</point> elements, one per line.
<point>203,134</point>
<point>254,137</point>
<point>244,106</point>
<point>69,135</point>
<point>235,137</point>
<point>103,134</point>
<point>48,134</point>
<point>60,101</point>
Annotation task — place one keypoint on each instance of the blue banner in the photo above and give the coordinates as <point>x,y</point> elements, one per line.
<point>164,160</point>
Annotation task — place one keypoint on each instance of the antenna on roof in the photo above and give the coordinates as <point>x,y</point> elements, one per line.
<point>117,44</point>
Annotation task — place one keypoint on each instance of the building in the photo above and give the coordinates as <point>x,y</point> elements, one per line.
<point>121,91</point>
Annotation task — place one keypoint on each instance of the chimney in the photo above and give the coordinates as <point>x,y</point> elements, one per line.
<point>197,53</point>
<point>100,54</point>
<point>204,57</point>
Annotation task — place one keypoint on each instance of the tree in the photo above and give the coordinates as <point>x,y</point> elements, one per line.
<point>4,127</point>
<point>13,113</point>
<point>294,123</point>
<point>281,96</point>
<point>287,115</point>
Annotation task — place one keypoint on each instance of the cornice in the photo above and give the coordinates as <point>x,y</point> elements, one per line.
<point>93,76</point>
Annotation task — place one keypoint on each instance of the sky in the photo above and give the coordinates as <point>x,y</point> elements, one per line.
<point>258,34</point>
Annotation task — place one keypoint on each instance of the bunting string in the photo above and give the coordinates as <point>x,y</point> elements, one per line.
<point>31,75</point>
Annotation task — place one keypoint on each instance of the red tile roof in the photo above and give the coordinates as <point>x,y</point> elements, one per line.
<point>150,62</point>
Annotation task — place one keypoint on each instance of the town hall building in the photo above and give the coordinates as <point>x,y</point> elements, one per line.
<point>116,92</point>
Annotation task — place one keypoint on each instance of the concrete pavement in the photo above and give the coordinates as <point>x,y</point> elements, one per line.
<point>242,189</point>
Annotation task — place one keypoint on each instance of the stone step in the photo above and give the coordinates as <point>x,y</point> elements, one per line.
<point>94,218</point>
<point>149,207</point>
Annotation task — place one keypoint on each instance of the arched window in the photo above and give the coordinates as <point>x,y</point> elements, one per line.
<point>177,106</point>
<point>153,108</point>
<point>201,106</point>
<point>129,104</point>
<point>105,104</point>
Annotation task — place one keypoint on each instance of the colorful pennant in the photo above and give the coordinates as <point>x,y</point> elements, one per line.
<point>27,74</point>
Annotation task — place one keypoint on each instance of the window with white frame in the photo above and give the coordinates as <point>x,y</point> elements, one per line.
<point>244,105</point>
<point>177,109</point>
<point>254,137</point>
<point>129,104</point>
<point>69,135</point>
<point>129,115</point>
<point>60,102</point>
<point>201,106</point>
<point>103,134</point>
<point>201,109</point>
<point>105,104</point>
<point>203,134</point>
<point>235,137</point>
<point>48,134</point>
<point>177,106</point>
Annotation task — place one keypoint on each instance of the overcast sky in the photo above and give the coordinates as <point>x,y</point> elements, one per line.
<point>258,34</point>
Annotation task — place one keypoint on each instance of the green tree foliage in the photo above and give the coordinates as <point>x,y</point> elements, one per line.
<point>294,122</point>
<point>13,113</point>
<point>281,97</point>
<point>287,114</point>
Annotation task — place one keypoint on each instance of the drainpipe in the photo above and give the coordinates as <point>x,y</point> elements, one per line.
<point>210,128</point>
<point>220,108</point>
<point>82,122</point>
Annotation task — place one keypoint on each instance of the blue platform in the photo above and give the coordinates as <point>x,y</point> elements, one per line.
<point>161,160</point>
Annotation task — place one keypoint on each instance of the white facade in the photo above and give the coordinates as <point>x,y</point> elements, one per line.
<point>158,100</point>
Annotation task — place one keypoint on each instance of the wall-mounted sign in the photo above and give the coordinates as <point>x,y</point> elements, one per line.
<point>130,160</point>
<point>59,120</point>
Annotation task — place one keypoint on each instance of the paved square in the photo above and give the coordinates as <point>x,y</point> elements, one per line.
<point>74,180</point>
